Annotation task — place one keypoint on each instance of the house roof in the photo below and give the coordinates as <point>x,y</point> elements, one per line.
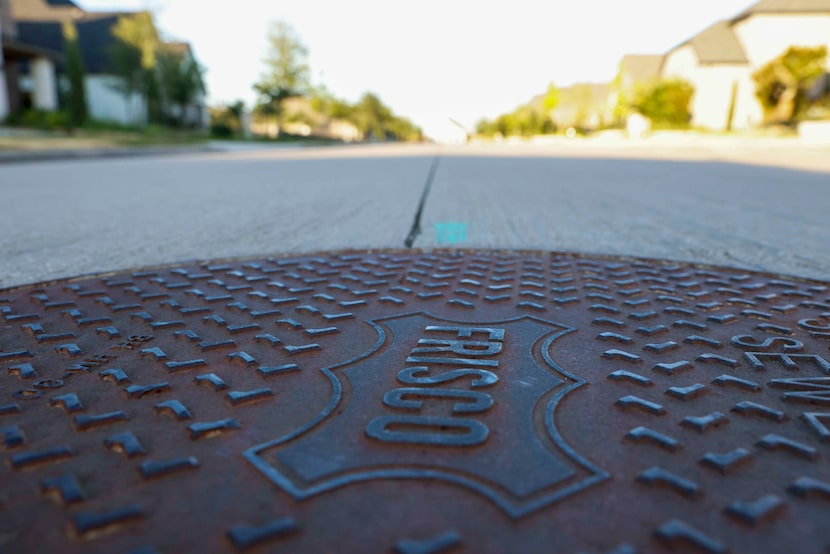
<point>718,44</point>
<point>179,48</point>
<point>641,68</point>
<point>784,6</point>
<point>40,24</point>
<point>44,35</point>
<point>94,38</point>
<point>44,10</point>
<point>16,49</point>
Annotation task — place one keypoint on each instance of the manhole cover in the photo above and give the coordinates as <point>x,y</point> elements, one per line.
<point>417,402</point>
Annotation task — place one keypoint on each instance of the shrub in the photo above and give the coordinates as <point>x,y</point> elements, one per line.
<point>39,119</point>
<point>221,130</point>
<point>666,103</point>
<point>781,86</point>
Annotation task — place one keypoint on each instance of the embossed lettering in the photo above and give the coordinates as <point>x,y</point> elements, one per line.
<point>467,332</point>
<point>451,361</point>
<point>814,390</point>
<point>438,431</point>
<point>787,359</point>
<point>419,375</point>
<point>442,431</point>
<point>813,325</point>
<point>748,342</point>
<point>403,398</point>
<point>461,347</point>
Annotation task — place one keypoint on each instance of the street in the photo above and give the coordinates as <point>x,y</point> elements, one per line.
<point>67,218</point>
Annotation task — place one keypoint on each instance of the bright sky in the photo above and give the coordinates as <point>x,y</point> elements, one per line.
<point>431,59</point>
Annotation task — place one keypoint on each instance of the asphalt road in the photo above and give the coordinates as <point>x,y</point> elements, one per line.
<point>66,218</point>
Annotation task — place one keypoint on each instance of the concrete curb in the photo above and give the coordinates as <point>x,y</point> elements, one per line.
<point>23,156</point>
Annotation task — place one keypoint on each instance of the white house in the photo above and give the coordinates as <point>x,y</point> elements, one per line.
<point>42,90</point>
<point>720,60</point>
<point>40,22</point>
<point>637,69</point>
<point>194,114</point>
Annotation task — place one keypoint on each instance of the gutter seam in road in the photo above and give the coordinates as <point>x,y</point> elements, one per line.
<point>415,230</point>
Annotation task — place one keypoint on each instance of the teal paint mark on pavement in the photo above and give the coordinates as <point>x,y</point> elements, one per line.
<point>450,232</point>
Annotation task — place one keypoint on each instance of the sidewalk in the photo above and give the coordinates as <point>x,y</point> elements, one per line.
<point>782,152</point>
<point>28,145</point>
<point>21,145</point>
<point>21,156</point>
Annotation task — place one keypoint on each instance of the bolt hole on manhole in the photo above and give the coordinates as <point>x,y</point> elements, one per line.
<point>417,401</point>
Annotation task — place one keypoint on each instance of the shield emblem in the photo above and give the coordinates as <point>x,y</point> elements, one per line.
<point>468,403</point>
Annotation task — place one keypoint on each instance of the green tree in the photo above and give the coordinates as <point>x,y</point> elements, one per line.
<point>287,75</point>
<point>226,121</point>
<point>376,120</point>
<point>125,64</point>
<point>75,74</point>
<point>371,116</point>
<point>286,70</point>
<point>324,102</point>
<point>401,128</point>
<point>666,102</point>
<point>621,101</point>
<point>180,79</point>
<point>153,97</point>
<point>132,59</point>
<point>237,110</point>
<point>580,99</point>
<point>139,31</point>
<point>551,100</point>
<point>781,85</point>
<point>338,109</point>
<point>525,120</point>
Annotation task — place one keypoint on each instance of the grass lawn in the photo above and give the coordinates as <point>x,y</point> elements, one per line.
<point>33,140</point>
<point>19,139</point>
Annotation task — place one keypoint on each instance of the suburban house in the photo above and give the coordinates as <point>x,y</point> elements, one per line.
<point>40,23</point>
<point>195,113</point>
<point>636,69</point>
<point>581,105</point>
<point>720,60</point>
<point>40,62</point>
<point>584,106</point>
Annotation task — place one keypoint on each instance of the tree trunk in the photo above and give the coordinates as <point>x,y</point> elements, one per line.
<point>785,109</point>
<point>733,99</point>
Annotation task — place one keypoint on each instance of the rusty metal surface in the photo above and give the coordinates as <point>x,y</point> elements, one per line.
<point>417,402</point>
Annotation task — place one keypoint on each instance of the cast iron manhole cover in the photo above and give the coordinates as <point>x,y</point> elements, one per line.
<point>417,402</point>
